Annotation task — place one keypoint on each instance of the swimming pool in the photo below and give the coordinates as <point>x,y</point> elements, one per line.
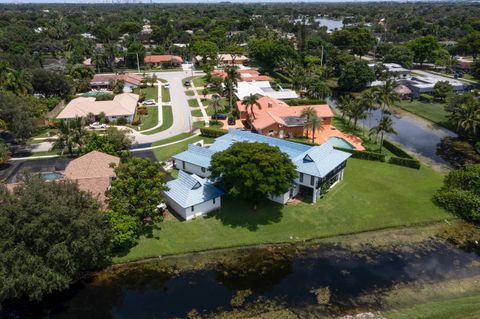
<point>51,176</point>
<point>340,142</point>
<point>93,94</point>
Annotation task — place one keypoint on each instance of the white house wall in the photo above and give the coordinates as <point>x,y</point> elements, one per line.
<point>192,169</point>
<point>199,209</point>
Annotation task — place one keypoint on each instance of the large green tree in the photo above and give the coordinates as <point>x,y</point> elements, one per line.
<point>113,141</point>
<point>137,189</point>
<point>401,55</point>
<point>253,171</point>
<point>355,76</point>
<point>424,49</point>
<point>18,114</point>
<point>270,52</point>
<point>50,83</point>
<point>50,233</point>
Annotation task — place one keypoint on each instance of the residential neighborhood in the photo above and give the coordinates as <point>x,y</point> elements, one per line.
<point>292,160</point>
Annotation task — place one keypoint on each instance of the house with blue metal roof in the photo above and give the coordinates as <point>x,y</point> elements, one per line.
<point>317,166</point>
<point>191,196</point>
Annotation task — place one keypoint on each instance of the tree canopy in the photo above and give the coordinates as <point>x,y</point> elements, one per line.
<point>253,171</point>
<point>50,232</point>
<point>355,76</point>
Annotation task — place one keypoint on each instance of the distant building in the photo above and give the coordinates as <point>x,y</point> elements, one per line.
<point>102,81</point>
<point>229,59</point>
<point>122,106</point>
<point>162,60</point>
<point>396,70</point>
<point>425,84</point>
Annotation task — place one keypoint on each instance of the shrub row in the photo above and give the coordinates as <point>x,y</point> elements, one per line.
<point>425,98</point>
<point>407,162</point>
<point>294,102</point>
<point>212,132</point>
<point>371,156</point>
<point>281,77</point>
<point>397,151</point>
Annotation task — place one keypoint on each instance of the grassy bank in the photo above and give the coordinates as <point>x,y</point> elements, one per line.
<point>434,112</point>
<point>372,196</point>
<point>151,92</point>
<point>151,119</point>
<point>167,120</point>
<point>164,153</point>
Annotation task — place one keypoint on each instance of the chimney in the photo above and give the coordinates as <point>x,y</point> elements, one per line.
<point>270,105</point>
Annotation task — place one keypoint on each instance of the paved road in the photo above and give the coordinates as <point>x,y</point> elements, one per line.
<point>182,117</point>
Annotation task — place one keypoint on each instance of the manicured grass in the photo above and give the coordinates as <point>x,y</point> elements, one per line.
<point>150,120</point>
<point>193,103</point>
<point>189,93</point>
<point>434,112</point>
<point>167,120</point>
<point>172,139</point>
<point>165,94</point>
<point>458,308</point>
<point>213,124</point>
<point>150,91</point>
<point>372,196</point>
<point>164,153</point>
<point>197,113</point>
<point>197,80</point>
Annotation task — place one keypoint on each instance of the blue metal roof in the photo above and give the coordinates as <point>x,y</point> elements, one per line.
<point>313,160</point>
<point>188,190</point>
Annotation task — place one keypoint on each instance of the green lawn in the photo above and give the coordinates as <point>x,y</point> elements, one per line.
<point>164,153</point>
<point>372,196</point>
<point>197,80</point>
<point>172,139</point>
<point>150,91</point>
<point>457,308</point>
<point>189,93</point>
<point>213,124</point>
<point>193,103</point>
<point>197,113</point>
<point>165,94</point>
<point>167,120</point>
<point>434,112</point>
<point>150,120</point>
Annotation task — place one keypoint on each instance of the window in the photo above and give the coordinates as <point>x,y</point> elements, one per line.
<point>193,208</point>
<point>203,171</point>
<point>214,201</point>
<point>312,180</point>
<point>301,177</point>
<point>183,165</point>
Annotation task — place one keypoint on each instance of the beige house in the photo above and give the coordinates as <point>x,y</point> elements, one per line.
<point>122,106</point>
<point>94,173</point>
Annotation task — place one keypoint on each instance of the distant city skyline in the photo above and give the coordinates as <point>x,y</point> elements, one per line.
<point>214,1</point>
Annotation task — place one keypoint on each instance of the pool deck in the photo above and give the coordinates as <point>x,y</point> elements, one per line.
<point>327,131</point>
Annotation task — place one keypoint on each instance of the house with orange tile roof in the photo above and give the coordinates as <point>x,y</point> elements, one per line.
<point>162,60</point>
<point>94,173</point>
<point>101,81</point>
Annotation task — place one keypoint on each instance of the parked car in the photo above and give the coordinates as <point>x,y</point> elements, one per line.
<point>218,116</point>
<point>166,85</point>
<point>149,102</point>
<point>209,85</point>
<point>97,125</point>
<point>231,120</point>
<point>187,83</point>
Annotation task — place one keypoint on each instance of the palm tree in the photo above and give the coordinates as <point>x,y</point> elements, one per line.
<point>345,104</point>
<point>249,102</point>
<point>18,82</point>
<point>467,117</point>
<point>71,135</point>
<point>308,112</point>
<point>318,89</point>
<point>385,125</point>
<point>315,123</point>
<point>231,81</point>
<point>357,111</point>
<point>216,104</point>
<point>386,95</point>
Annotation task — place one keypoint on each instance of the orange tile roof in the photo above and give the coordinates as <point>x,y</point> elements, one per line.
<point>92,165</point>
<point>106,78</point>
<point>245,75</point>
<point>162,58</point>
<point>275,111</point>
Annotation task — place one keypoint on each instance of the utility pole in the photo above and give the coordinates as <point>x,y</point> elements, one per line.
<point>321,58</point>
<point>138,63</point>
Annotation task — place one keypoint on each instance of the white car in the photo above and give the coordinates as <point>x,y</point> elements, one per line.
<point>166,85</point>
<point>97,125</point>
<point>149,102</point>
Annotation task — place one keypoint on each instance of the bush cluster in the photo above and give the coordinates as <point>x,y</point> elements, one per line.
<point>371,156</point>
<point>407,162</point>
<point>295,102</point>
<point>426,98</point>
<point>212,132</point>
<point>396,150</point>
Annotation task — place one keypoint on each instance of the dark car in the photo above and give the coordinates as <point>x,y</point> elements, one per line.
<point>187,83</point>
<point>231,120</point>
<point>218,116</point>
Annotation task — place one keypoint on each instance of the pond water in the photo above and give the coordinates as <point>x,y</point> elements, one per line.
<point>331,24</point>
<point>328,274</point>
<point>415,134</point>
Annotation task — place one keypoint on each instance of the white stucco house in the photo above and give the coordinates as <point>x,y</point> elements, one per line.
<point>122,106</point>
<point>316,165</point>
<point>192,196</point>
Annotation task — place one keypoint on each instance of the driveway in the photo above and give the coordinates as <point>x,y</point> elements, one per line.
<point>182,117</point>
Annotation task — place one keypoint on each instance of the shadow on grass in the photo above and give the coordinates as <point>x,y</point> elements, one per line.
<point>238,213</point>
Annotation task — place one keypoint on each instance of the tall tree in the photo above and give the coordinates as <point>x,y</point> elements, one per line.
<point>315,123</point>
<point>216,103</point>
<point>385,125</point>
<point>423,49</point>
<point>17,82</point>
<point>71,135</point>
<point>355,76</point>
<point>386,95</point>
<point>231,82</point>
<point>253,171</point>
<point>50,233</point>
<point>250,102</point>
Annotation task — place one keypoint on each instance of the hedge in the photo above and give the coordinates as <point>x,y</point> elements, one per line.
<point>281,77</point>
<point>294,102</point>
<point>425,98</point>
<point>212,132</point>
<point>397,151</point>
<point>407,162</point>
<point>370,156</point>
